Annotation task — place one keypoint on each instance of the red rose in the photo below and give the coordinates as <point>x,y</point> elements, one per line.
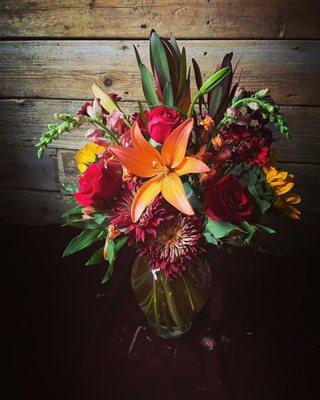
<point>162,121</point>
<point>227,200</point>
<point>98,184</point>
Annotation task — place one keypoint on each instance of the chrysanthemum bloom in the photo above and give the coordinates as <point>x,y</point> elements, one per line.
<point>178,241</point>
<point>89,154</point>
<point>234,134</point>
<point>282,183</point>
<point>146,226</point>
<point>254,152</point>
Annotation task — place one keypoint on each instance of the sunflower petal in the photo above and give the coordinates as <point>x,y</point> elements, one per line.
<point>134,161</point>
<point>284,189</point>
<point>292,198</point>
<point>148,191</point>
<point>173,191</point>
<point>191,165</point>
<point>292,212</point>
<point>174,148</point>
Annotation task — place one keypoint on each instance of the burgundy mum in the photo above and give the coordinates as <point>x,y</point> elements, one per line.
<point>177,241</point>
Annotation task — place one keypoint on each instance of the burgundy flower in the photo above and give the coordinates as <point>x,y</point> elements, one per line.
<point>234,134</point>
<point>136,117</point>
<point>99,184</point>
<point>177,241</point>
<point>115,97</point>
<point>84,109</point>
<point>162,121</point>
<point>227,200</point>
<point>146,227</point>
<point>254,152</point>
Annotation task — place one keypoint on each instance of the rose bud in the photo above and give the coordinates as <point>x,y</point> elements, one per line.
<point>162,121</point>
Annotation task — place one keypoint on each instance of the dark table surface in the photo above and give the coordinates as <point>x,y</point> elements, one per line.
<point>72,338</point>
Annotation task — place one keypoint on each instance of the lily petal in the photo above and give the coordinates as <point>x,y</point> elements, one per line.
<point>140,144</point>
<point>174,148</point>
<point>191,165</point>
<point>134,161</point>
<point>148,191</point>
<point>173,191</point>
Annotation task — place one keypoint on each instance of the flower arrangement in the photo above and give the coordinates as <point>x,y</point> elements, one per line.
<point>181,174</point>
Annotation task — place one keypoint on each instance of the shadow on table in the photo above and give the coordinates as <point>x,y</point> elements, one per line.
<point>72,338</point>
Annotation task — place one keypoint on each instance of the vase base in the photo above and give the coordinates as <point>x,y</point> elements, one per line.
<point>174,334</point>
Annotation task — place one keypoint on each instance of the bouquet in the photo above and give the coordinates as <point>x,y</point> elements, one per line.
<point>181,174</point>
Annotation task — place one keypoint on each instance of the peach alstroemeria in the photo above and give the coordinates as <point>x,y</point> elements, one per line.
<point>164,169</point>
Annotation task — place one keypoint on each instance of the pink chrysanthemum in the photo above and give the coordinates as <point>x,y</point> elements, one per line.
<point>145,228</point>
<point>177,241</point>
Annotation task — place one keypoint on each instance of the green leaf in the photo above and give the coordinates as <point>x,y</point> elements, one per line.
<point>100,219</point>
<point>149,91</point>
<point>262,93</point>
<point>147,86</point>
<point>191,196</point>
<point>137,55</point>
<point>210,238</point>
<point>142,114</point>
<point>213,81</point>
<point>250,230</point>
<point>111,251</point>
<point>120,242</point>
<point>182,71</point>
<point>74,211</point>
<point>175,44</point>
<point>111,258</point>
<point>220,229</point>
<point>159,59</point>
<point>216,96</point>
<point>85,239</point>
<point>70,200</point>
<point>107,274</point>
<point>266,229</point>
<point>168,95</point>
<point>96,258</point>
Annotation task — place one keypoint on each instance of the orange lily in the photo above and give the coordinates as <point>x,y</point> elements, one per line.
<point>164,169</point>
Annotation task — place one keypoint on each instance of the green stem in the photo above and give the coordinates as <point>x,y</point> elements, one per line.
<point>106,131</point>
<point>171,303</point>
<point>155,309</point>
<point>189,294</point>
<point>193,103</point>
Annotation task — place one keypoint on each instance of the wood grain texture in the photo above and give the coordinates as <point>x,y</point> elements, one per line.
<point>22,122</point>
<point>131,18</point>
<point>22,168</point>
<point>67,69</point>
<point>26,207</point>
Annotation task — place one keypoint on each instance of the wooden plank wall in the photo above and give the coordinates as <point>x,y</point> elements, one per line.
<point>52,51</point>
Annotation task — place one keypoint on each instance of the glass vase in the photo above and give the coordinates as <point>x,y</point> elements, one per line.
<point>170,304</point>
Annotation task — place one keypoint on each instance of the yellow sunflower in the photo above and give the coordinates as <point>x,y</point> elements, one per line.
<point>88,155</point>
<point>282,183</point>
